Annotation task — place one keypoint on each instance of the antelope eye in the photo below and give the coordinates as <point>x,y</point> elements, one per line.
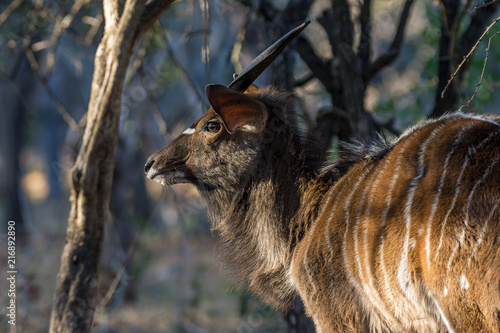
<point>212,127</point>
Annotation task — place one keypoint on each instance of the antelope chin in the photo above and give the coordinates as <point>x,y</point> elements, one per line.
<point>167,178</point>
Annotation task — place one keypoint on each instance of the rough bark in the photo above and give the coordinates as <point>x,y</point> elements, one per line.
<point>74,296</point>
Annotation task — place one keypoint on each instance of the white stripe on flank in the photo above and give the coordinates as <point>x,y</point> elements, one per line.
<point>452,206</point>
<point>388,205</point>
<point>189,131</point>
<point>481,235</point>
<point>369,288</point>
<point>305,262</point>
<point>471,153</point>
<point>435,202</point>
<point>465,222</point>
<point>347,206</point>
<point>441,313</point>
<point>356,231</point>
<point>327,225</point>
<point>403,274</point>
<point>327,230</point>
<point>367,214</point>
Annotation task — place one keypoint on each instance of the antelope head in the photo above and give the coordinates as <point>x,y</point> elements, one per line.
<point>215,144</point>
<point>217,150</point>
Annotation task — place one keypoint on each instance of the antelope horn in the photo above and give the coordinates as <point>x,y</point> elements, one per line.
<point>258,65</point>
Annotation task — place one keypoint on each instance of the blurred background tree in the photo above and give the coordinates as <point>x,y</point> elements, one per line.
<point>361,68</point>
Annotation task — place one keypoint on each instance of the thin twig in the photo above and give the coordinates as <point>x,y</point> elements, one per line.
<point>495,21</point>
<point>162,124</point>
<point>59,106</point>
<point>388,57</point>
<point>484,4</point>
<point>177,63</point>
<point>24,43</point>
<point>364,46</point>
<point>62,23</point>
<point>305,79</point>
<point>478,85</point>
<point>138,61</point>
<point>456,24</point>
<point>152,12</point>
<point>118,276</point>
<point>95,23</point>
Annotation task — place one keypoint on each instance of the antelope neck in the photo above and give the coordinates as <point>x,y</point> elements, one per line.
<point>260,223</point>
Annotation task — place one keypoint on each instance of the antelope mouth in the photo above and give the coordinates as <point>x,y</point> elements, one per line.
<point>167,178</point>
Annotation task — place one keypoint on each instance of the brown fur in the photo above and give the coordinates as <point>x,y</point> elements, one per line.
<point>363,240</point>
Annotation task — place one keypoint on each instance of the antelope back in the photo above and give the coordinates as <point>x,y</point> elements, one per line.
<point>409,238</point>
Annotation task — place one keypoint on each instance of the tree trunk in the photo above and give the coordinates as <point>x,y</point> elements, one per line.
<point>74,296</point>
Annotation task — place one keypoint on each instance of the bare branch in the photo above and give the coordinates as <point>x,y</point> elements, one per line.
<point>343,29</point>
<point>476,26</point>
<point>95,23</point>
<point>364,46</point>
<point>478,85</point>
<point>236,50</point>
<point>305,80</point>
<point>191,83</point>
<point>162,124</point>
<point>111,11</point>
<point>114,283</point>
<point>495,21</point>
<point>320,68</point>
<point>152,12</point>
<point>351,97</point>
<point>62,23</point>
<point>59,106</point>
<point>9,10</point>
<point>388,57</point>
<point>485,4</point>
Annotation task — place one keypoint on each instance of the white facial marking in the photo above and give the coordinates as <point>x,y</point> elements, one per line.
<point>249,128</point>
<point>189,131</point>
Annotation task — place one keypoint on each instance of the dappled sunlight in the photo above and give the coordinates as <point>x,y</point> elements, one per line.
<point>36,186</point>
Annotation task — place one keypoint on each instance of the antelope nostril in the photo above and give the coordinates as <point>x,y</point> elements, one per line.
<point>148,166</point>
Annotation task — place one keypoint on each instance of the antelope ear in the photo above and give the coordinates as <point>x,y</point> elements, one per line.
<point>237,110</point>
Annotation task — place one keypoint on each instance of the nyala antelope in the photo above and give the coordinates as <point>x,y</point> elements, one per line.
<point>403,236</point>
